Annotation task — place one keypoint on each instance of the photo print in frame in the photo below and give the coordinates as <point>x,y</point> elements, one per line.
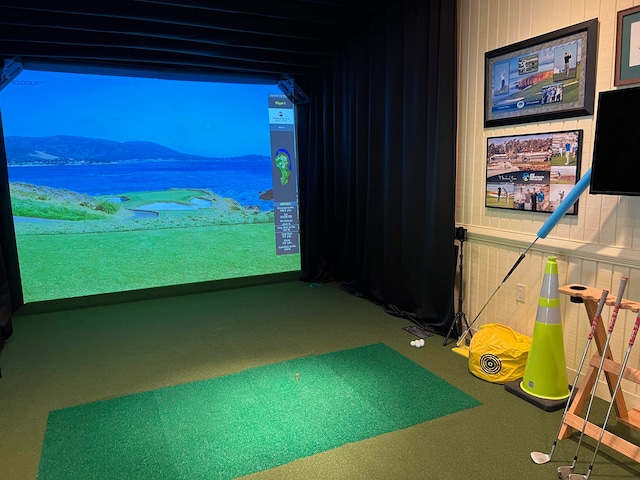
<point>533,172</point>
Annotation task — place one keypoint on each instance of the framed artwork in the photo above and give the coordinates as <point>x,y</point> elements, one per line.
<point>544,78</point>
<point>628,47</point>
<point>533,172</point>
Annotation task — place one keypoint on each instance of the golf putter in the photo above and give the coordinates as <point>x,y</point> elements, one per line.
<point>632,339</point>
<point>539,457</point>
<point>565,471</point>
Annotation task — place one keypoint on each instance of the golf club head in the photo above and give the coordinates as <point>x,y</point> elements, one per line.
<point>565,472</point>
<point>540,458</point>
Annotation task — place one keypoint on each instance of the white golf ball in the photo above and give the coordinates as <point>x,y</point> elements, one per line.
<point>413,343</point>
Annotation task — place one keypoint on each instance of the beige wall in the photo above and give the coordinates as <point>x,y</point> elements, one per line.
<point>597,247</point>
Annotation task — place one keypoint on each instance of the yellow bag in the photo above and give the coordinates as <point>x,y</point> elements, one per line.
<point>498,354</point>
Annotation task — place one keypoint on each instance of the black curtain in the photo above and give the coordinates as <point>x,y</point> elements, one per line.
<point>10,285</point>
<point>6,327</point>
<point>377,169</point>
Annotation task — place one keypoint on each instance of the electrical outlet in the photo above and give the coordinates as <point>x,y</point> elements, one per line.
<point>521,292</point>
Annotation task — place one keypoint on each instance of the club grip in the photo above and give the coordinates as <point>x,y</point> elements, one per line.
<point>598,315</point>
<point>634,332</point>
<point>616,307</point>
<point>514,267</point>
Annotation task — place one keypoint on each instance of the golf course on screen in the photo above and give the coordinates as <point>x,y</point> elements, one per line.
<point>125,183</point>
<point>73,244</point>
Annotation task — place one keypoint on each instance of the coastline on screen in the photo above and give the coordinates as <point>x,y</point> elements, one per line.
<point>121,183</point>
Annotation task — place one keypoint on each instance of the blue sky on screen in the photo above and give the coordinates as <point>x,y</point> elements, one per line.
<point>201,118</point>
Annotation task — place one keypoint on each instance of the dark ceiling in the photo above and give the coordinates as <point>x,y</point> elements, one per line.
<point>238,38</point>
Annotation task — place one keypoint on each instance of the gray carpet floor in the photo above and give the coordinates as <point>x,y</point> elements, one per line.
<point>63,358</point>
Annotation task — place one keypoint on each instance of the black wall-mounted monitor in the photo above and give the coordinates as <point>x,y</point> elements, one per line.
<point>616,151</point>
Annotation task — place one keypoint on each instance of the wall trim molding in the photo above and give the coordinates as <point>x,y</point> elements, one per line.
<point>559,246</point>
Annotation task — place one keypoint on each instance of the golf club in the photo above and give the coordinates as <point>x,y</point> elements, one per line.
<point>522,255</point>
<point>539,457</point>
<point>565,471</point>
<point>576,476</point>
<point>551,222</point>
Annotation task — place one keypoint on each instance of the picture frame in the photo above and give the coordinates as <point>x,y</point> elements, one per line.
<point>544,165</point>
<point>627,47</point>
<point>543,78</point>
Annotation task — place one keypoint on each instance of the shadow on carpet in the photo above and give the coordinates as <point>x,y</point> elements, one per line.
<point>246,422</point>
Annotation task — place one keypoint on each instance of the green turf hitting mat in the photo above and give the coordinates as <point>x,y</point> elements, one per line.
<point>246,422</point>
